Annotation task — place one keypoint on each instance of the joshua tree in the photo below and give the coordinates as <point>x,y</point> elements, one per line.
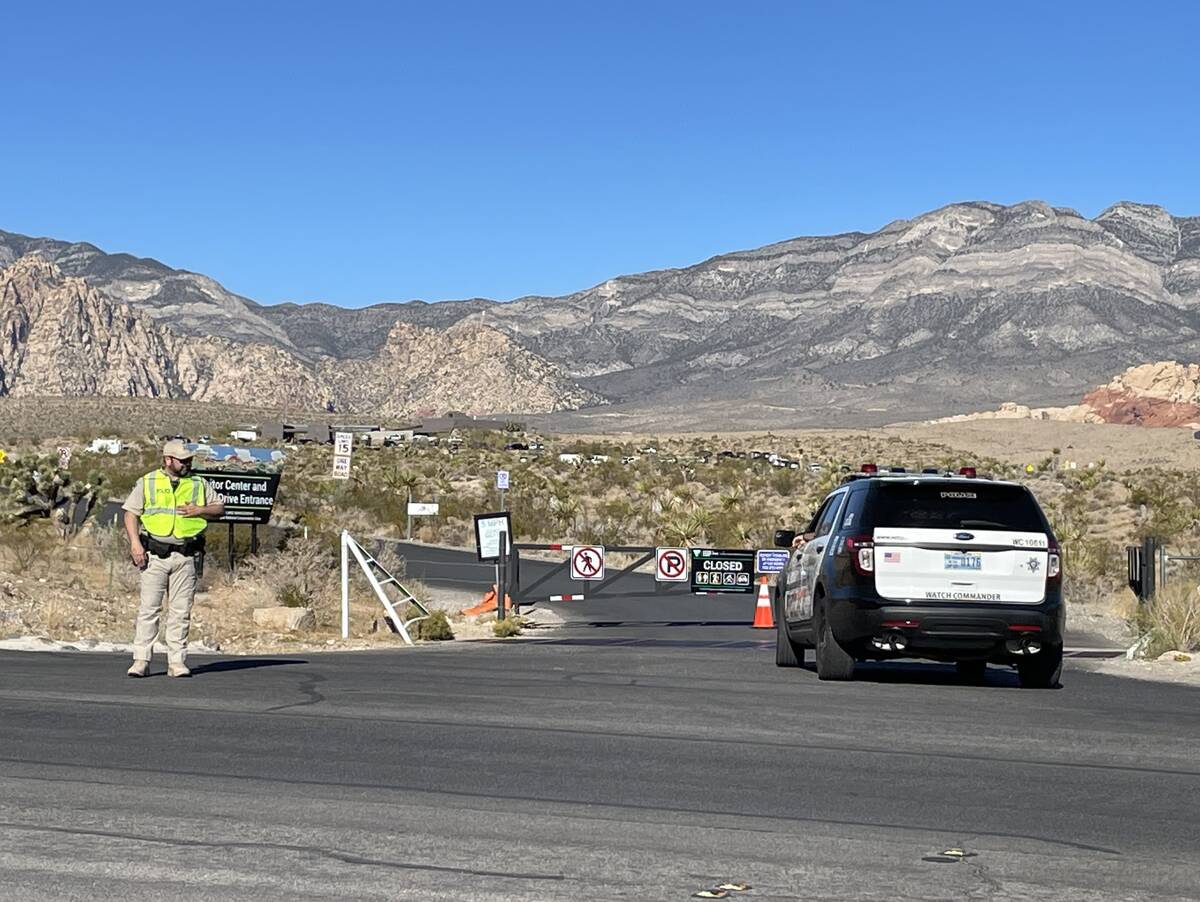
<point>36,488</point>
<point>681,530</point>
<point>401,480</point>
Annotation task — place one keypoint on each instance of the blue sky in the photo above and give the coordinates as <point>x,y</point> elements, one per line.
<point>359,152</point>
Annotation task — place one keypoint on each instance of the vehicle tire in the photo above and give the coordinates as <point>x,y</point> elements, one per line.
<point>1041,671</point>
<point>833,662</point>
<point>787,652</point>
<point>971,671</point>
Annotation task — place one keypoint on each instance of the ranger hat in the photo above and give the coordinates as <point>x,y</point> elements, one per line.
<point>178,450</point>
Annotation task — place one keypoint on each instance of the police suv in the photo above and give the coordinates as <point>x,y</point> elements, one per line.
<point>932,565</point>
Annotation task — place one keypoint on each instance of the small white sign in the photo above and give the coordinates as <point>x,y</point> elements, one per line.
<point>343,443</point>
<point>502,479</point>
<point>670,565</point>
<point>488,530</point>
<point>341,466</point>
<point>422,509</point>
<point>587,562</point>
<point>771,560</point>
<point>64,458</point>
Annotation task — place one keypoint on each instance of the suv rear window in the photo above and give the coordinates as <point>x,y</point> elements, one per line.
<point>934,505</point>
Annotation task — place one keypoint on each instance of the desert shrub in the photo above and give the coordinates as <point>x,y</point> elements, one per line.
<point>291,595</point>
<point>1095,558</point>
<point>306,574</point>
<point>114,553</point>
<point>20,548</point>
<point>508,627</point>
<point>1171,620</point>
<point>434,628</point>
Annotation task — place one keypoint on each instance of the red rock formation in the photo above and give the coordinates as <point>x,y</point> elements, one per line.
<point>1131,409</point>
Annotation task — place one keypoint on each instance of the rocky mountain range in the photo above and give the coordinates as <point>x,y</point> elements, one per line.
<point>62,336</point>
<point>958,309</point>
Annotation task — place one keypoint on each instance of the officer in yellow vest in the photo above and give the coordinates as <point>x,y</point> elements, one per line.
<point>165,517</point>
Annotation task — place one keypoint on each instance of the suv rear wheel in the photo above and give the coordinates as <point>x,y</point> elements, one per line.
<point>787,652</point>
<point>1041,671</point>
<point>833,662</point>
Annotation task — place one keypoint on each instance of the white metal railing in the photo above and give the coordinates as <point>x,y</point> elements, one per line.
<point>372,568</point>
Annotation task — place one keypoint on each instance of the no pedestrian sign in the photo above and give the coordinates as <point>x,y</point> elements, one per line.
<point>587,562</point>
<point>670,565</point>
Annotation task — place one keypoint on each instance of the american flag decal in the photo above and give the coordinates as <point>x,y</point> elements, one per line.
<point>891,557</point>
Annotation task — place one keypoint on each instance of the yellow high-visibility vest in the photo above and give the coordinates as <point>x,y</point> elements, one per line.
<point>159,517</point>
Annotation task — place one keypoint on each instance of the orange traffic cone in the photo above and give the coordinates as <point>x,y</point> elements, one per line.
<point>763,618</point>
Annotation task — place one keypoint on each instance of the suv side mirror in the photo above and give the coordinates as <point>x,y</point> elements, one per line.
<point>784,538</point>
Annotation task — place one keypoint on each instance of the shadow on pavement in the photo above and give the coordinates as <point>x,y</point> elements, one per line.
<point>929,674</point>
<point>654,624</point>
<point>242,664</point>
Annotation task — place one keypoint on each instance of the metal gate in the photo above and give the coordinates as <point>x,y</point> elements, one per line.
<point>1150,567</point>
<point>528,592</point>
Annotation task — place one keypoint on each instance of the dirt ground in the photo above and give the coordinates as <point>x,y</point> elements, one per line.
<point>1171,667</point>
<point>1028,441</point>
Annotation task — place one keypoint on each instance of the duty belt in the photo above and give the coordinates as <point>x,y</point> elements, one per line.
<point>190,546</point>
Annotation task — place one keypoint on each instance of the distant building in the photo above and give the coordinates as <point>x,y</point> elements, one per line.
<point>106,446</point>
<point>457,420</point>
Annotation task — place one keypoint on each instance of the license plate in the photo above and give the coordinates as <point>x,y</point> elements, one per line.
<point>963,562</point>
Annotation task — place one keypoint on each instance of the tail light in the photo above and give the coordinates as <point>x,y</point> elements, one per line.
<point>1054,564</point>
<point>862,554</point>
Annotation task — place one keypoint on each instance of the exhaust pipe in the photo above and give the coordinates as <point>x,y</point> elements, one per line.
<point>1029,645</point>
<point>893,641</point>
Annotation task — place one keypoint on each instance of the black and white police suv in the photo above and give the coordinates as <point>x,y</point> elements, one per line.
<point>943,567</point>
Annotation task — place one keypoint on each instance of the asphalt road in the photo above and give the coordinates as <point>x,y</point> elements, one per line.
<point>563,769</point>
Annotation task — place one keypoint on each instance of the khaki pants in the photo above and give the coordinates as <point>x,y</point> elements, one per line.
<point>174,577</point>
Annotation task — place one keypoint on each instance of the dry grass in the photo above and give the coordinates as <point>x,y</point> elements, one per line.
<point>1171,622</point>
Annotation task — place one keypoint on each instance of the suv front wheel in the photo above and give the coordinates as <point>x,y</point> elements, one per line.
<point>833,661</point>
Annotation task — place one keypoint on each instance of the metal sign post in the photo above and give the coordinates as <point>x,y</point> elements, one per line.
<point>502,578</point>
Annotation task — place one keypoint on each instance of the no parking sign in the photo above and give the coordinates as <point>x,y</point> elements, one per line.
<point>670,565</point>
